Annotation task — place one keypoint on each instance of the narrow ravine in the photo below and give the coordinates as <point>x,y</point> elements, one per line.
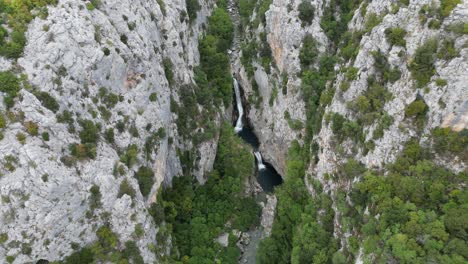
<point>266,175</point>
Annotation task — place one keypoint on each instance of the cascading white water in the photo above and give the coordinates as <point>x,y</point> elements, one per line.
<point>238,127</point>
<point>261,166</point>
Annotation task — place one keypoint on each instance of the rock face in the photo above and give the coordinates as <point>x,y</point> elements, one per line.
<point>447,102</point>
<point>79,57</point>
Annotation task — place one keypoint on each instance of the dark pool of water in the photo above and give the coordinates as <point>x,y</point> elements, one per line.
<point>249,136</point>
<point>269,178</point>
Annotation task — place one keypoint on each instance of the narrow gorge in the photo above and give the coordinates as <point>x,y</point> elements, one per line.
<point>233,131</point>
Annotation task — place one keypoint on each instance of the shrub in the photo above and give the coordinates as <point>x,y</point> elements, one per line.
<point>90,6</point>
<point>107,238</point>
<point>417,109</point>
<point>192,8</point>
<point>126,188</point>
<point>85,255</point>
<point>47,101</point>
<point>130,156</point>
<point>422,67</point>
<point>10,259</point>
<point>372,20</point>
<point>441,82</point>
<point>139,231</point>
<point>145,179</point>
<point>95,198</point>
<point>167,64</point>
<point>458,28</point>
<point>153,97</point>
<point>89,132</point>
<point>396,36</point>
<point>434,24</point>
<point>446,140</point>
<point>132,251</point>
<point>106,51</point>
<point>83,151</point>
<point>109,135</point>
<point>446,7</point>
<point>353,168</point>
<point>309,52</point>
<point>32,128</point>
<point>246,8</point>
<point>45,136</point>
<point>21,137</point>
<point>306,12</point>
<point>10,85</point>
<point>3,238</point>
<point>124,39</point>
<point>352,73</point>
<point>3,121</point>
<point>447,50</point>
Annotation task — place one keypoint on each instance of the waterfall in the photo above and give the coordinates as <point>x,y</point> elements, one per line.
<point>261,166</point>
<point>238,127</point>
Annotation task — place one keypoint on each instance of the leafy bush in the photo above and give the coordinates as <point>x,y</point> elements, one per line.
<point>192,8</point>
<point>32,128</point>
<point>167,64</point>
<point>447,50</point>
<point>130,156</point>
<point>21,138</point>
<point>246,8</point>
<point>45,136</point>
<point>145,177</point>
<point>89,132</point>
<point>447,141</point>
<point>306,12</point>
<point>109,135</point>
<point>95,198</point>
<point>396,36</point>
<point>3,238</point>
<point>126,188</point>
<point>3,121</point>
<point>352,73</point>
<point>153,97</point>
<point>350,45</point>
<point>10,85</point>
<point>446,6</point>
<point>90,6</point>
<point>441,82</point>
<point>372,20</point>
<point>384,71</point>
<point>434,24</point>
<point>47,101</point>
<point>422,67</point>
<point>458,28</point>
<point>83,151</point>
<point>417,110</point>
<point>83,256</point>
<point>309,51</point>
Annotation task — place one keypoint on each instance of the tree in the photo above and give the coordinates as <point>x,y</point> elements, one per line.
<point>306,12</point>
<point>422,68</point>
<point>309,52</point>
<point>89,132</point>
<point>145,177</point>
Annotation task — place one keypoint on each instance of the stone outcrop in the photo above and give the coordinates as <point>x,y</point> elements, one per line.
<point>71,55</point>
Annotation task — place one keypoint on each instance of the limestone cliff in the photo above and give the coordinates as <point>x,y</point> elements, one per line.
<point>110,65</point>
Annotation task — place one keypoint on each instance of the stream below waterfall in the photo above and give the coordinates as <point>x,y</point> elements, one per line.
<point>266,175</point>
